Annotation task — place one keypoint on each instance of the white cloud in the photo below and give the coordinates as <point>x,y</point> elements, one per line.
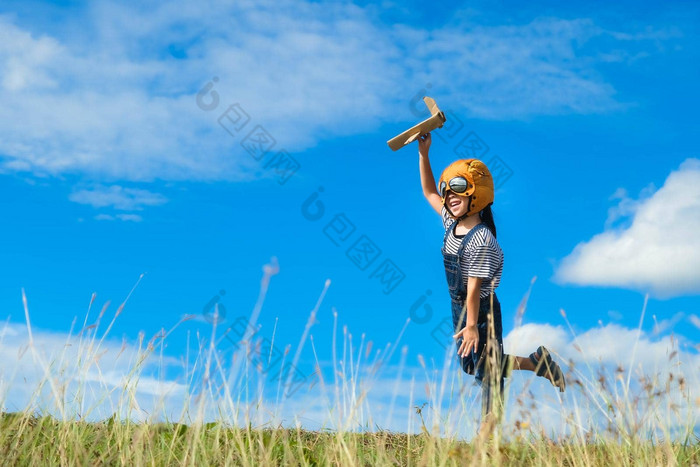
<point>667,324</point>
<point>695,320</point>
<point>25,59</point>
<point>122,217</point>
<point>112,102</point>
<point>508,72</point>
<point>626,206</point>
<point>615,315</point>
<point>117,197</point>
<point>606,359</point>
<point>36,372</point>
<point>658,252</point>
<point>129,217</point>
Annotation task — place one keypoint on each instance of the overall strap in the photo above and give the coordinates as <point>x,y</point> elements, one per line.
<point>468,236</point>
<point>448,230</point>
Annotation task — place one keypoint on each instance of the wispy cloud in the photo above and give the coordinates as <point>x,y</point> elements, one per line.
<point>118,98</point>
<point>658,252</point>
<point>117,197</point>
<point>695,320</point>
<point>121,217</point>
<point>664,325</point>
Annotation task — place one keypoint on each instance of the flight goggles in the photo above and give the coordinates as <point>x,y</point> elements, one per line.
<point>456,184</point>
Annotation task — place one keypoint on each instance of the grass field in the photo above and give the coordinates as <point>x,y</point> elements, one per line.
<point>610,419</point>
<point>28,440</point>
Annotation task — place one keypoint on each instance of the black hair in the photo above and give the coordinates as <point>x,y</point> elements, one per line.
<point>487,218</point>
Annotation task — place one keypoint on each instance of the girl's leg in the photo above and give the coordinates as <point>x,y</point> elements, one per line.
<point>522,363</point>
<point>494,364</point>
<point>492,392</point>
<point>550,370</point>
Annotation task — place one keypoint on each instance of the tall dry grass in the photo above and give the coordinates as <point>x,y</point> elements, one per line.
<point>229,417</point>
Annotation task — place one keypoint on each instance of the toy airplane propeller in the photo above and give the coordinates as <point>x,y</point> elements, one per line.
<point>436,120</point>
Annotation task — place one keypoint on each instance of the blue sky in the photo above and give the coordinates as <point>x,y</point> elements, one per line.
<point>111,169</point>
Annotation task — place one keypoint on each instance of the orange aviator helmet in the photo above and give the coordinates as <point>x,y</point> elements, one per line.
<point>469,178</point>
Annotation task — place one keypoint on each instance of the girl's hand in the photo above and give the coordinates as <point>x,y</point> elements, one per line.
<point>470,340</point>
<point>424,144</point>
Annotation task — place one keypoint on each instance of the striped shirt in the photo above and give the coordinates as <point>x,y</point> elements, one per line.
<point>482,255</point>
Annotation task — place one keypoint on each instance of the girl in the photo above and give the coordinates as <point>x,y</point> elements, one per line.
<point>473,263</point>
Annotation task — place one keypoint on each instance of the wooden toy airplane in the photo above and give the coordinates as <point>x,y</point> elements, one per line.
<point>436,120</point>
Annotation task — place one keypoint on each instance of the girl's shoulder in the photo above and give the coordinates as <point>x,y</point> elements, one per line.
<point>484,237</point>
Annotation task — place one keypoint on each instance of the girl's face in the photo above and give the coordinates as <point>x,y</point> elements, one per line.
<point>456,204</point>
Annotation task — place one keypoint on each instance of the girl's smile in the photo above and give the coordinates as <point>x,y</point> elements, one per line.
<point>456,204</point>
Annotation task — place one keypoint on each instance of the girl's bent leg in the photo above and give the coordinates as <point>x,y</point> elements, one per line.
<point>548,369</point>
<point>523,363</point>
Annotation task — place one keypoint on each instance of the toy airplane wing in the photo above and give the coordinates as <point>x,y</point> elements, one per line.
<point>436,120</point>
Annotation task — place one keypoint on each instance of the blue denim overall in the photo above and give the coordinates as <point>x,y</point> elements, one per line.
<point>475,362</point>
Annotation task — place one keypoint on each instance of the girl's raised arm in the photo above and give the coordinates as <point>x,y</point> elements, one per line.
<point>426,174</point>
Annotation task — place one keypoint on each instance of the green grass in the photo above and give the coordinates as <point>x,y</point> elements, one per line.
<point>30,440</point>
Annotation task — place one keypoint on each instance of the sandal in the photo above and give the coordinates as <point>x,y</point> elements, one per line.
<point>547,367</point>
